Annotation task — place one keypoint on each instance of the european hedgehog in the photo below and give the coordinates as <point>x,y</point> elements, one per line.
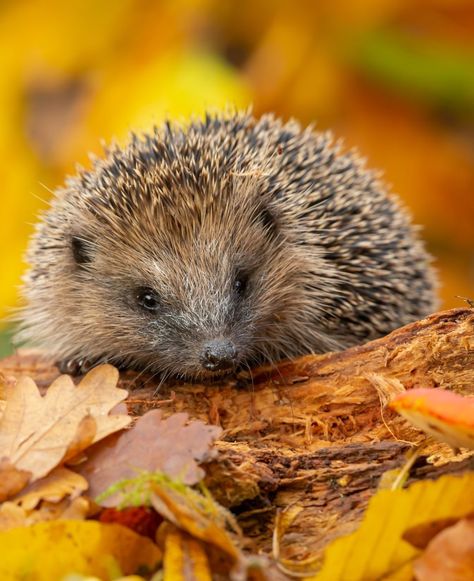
<point>199,249</point>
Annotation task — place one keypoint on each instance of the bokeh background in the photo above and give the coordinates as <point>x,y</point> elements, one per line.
<point>394,77</point>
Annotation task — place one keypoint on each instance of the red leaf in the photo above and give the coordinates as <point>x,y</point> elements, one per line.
<point>142,520</point>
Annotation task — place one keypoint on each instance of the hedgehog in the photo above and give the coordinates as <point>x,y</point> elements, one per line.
<point>205,247</point>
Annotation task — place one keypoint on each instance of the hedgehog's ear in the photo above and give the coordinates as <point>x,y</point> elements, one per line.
<point>268,220</point>
<point>82,250</point>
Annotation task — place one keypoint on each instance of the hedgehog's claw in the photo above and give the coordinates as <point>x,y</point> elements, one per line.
<point>76,367</point>
<point>82,365</point>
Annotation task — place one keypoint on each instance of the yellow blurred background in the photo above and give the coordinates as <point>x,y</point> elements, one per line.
<point>394,77</point>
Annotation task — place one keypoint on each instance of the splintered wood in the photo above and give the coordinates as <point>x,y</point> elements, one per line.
<point>314,431</point>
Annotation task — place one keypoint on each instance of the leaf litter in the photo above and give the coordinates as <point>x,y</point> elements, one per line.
<point>60,451</point>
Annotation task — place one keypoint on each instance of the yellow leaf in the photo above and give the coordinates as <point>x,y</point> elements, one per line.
<point>377,548</point>
<point>47,551</point>
<point>161,90</point>
<point>284,519</point>
<point>36,432</point>
<point>75,577</point>
<point>184,558</point>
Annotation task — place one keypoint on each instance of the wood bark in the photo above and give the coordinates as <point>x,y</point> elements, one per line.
<point>313,431</point>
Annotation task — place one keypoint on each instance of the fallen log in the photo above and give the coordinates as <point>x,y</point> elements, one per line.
<point>312,431</point>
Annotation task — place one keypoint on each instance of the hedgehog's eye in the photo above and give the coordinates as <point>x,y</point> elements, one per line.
<point>240,284</point>
<point>148,299</point>
<point>81,250</point>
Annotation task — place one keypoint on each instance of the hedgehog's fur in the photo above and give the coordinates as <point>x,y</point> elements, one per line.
<point>331,259</point>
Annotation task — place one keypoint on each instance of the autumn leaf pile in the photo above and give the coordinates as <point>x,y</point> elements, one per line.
<point>85,491</point>
<point>62,450</point>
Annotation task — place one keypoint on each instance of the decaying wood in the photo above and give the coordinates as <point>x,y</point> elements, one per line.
<point>312,431</point>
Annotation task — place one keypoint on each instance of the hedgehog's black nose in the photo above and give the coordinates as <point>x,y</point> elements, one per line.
<point>218,355</point>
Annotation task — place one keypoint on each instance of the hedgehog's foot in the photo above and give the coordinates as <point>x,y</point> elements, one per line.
<point>81,366</point>
<point>77,367</point>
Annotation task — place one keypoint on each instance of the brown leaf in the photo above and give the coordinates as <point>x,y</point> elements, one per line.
<point>12,480</point>
<point>77,509</point>
<point>52,497</point>
<point>60,483</point>
<point>450,555</point>
<point>36,432</point>
<point>174,446</point>
<point>421,535</point>
<point>12,515</point>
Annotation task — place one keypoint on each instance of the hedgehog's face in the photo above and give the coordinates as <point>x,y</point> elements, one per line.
<point>197,301</point>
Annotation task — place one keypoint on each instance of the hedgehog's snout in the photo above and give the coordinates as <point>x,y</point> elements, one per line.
<point>218,355</point>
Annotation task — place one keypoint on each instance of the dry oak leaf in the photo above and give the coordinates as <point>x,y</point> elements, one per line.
<point>12,515</point>
<point>55,496</point>
<point>37,431</point>
<point>173,445</point>
<point>12,480</point>
<point>444,415</point>
<point>450,555</point>
<point>59,483</point>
